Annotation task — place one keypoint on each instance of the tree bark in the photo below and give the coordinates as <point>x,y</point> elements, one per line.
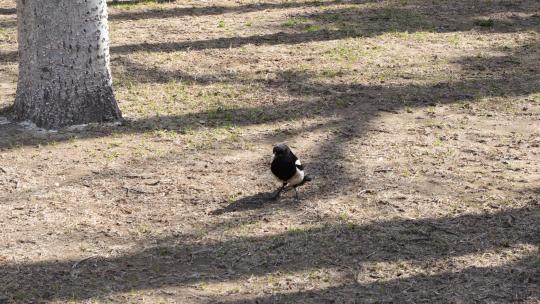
<point>64,74</point>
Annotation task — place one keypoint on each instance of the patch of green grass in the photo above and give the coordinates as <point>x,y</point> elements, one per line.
<point>114,144</point>
<point>295,21</point>
<point>419,35</point>
<point>343,103</point>
<point>346,53</point>
<point>166,134</point>
<point>484,22</point>
<point>332,73</point>
<point>455,39</point>
<point>535,96</point>
<point>165,251</point>
<point>243,228</point>
<point>296,231</point>
<point>221,23</point>
<point>395,19</point>
<point>344,217</point>
<point>7,34</point>
<point>313,28</point>
<point>83,247</point>
<point>211,138</point>
<point>144,229</point>
<point>21,296</point>
<point>437,142</point>
<point>112,155</point>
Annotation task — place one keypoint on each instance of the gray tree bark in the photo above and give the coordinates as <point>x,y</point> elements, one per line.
<point>64,74</point>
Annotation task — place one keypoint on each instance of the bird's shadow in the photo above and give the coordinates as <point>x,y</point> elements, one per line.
<point>251,202</point>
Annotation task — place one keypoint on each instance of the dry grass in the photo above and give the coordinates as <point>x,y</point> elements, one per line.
<point>419,120</point>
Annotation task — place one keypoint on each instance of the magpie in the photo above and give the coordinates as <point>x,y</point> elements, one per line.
<point>288,169</point>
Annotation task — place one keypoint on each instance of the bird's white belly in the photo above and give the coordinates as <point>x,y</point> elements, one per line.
<point>297,178</point>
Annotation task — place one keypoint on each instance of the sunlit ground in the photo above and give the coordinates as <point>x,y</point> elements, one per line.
<point>420,121</point>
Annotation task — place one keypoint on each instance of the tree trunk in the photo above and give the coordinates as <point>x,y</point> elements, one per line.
<point>64,75</point>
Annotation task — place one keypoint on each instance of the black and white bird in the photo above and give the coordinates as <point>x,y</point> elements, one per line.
<point>287,168</point>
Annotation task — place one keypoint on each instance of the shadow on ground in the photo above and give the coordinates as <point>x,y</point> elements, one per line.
<point>214,10</point>
<point>7,11</point>
<point>351,107</point>
<point>347,248</point>
<point>354,102</point>
<point>418,16</point>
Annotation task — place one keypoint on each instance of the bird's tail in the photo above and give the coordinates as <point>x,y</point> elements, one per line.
<point>306,179</point>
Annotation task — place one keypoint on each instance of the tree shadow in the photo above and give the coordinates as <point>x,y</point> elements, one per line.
<point>352,108</point>
<point>514,282</point>
<point>8,11</point>
<point>121,3</point>
<point>176,261</point>
<point>428,16</point>
<point>8,56</point>
<point>421,16</point>
<point>355,105</point>
<point>216,10</point>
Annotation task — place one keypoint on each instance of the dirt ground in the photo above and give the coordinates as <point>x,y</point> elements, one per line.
<point>419,120</point>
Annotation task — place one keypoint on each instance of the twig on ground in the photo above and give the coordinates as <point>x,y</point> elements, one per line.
<point>441,229</point>
<point>367,256</point>
<point>379,130</point>
<point>135,176</point>
<point>137,191</point>
<point>83,260</point>
<point>388,110</point>
<point>366,191</point>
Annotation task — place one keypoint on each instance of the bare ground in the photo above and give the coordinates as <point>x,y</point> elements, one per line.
<point>420,121</point>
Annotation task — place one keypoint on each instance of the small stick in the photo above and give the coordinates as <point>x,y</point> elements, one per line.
<point>137,191</point>
<point>442,229</point>
<point>367,256</point>
<point>83,260</point>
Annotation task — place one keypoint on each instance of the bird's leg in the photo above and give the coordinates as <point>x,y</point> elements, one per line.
<point>276,195</point>
<point>296,194</point>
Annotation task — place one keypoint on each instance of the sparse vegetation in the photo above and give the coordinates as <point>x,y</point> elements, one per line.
<point>418,120</point>
<point>484,22</point>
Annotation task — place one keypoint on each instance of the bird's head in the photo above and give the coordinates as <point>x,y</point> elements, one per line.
<point>281,149</point>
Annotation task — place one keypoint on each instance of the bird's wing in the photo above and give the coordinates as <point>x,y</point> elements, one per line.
<point>299,165</point>
<point>297,162</point>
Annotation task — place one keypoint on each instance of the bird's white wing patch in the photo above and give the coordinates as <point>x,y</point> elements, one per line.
<point>297,178</point>
<point>297,162</point>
